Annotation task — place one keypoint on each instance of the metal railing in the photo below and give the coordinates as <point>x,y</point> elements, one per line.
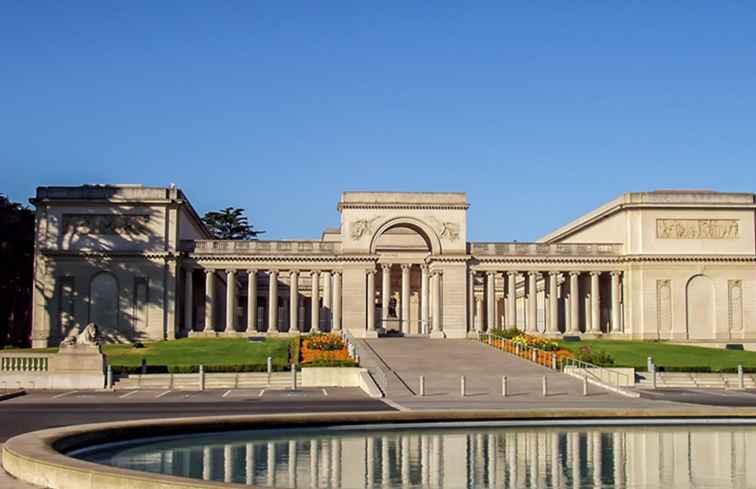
<point>379,374</point>
<point>568,365</point>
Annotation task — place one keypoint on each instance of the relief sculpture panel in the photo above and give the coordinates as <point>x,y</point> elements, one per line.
<point>664,306</point>
<point>697,228</point>
<point>735,295</point>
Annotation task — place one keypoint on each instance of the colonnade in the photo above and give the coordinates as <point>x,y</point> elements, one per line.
<point>325,309</point>
<point>430,297</point>
<point>558,288</point>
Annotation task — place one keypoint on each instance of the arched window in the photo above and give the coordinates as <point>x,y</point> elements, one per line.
<point>103,301</point>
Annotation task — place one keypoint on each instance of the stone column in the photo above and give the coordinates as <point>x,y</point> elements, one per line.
<point>437,325</point>
<point>615,326</point>
<point>336,303</point>
<point>490,301</point>
<point>424,299</point>
<point>188,300</point>
<point>315,309</point>
<point>230,300</point>
<point>574,303</point>
<point>371,303</point>
<point>531,319</point>
<point>511,300</point>
<point>273,302</point>
<point>385,294</point>
<point>478,313</point>
<point>554,303</point>
<point>327,299</point>
<point>471,301</point>
<point>405,297</point>
<point>209,300</point>
<point>251,301</point>
<point>595,302</point>
<point>293,301</point>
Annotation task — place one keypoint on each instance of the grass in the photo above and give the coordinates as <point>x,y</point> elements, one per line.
<point>194,351</point>
<point>634,354</point>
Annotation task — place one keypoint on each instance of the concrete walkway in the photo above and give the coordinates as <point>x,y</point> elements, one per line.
<point>443,362</point>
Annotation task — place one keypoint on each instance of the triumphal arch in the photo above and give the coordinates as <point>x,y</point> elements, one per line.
<point>138,262</point>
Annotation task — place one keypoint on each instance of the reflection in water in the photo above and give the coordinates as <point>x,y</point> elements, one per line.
<point>627,458</point>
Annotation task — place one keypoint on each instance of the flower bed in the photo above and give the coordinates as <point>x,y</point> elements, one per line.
<point>542,350</point>
<point>320,349</point>
<point>538,342</point>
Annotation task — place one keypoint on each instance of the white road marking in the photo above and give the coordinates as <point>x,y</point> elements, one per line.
<point>261,393</point>
<point>60,396</point>
<point>163,394</point>
<point>325,392</point>
<point>225,394</point>
<point>128,394</point>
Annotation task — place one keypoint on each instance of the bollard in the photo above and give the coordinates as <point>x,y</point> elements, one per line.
<point>462,386</point>
<point>585,386</point>
<point>553,361</point>
<point>109,381</point>
<point>422,385</point>
<point>517,350</point>
<point>270,368</point>
<point>202,377</point>
<point>649,363</point>
<point>144,366</point>
<point>504,386</point>
<point>293,377</point>
<point>741,380</point>
<point>653,376</point>
<point>545,387</point>
<point>534,356</point>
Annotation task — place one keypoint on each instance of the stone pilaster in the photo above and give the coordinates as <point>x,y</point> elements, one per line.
<point>436,291</point>
<point>424,299</point>
<point>370,304</point>
<point>574,304</point>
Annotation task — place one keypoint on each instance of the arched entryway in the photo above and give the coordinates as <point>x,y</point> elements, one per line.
<point>402,298</point>
<point>699,300</point>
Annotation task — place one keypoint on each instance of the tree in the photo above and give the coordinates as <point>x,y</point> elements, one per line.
<point>16,272</point>
<point>230,223</point>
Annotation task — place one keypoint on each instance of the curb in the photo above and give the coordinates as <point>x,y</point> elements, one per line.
<point>13,394</point>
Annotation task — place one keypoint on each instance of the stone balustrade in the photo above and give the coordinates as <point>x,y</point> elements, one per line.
<point>24,362</point>
<point>544,249</point>
<point>312,247</point>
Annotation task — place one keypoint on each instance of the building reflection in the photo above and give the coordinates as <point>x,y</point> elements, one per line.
<point>646,457</point>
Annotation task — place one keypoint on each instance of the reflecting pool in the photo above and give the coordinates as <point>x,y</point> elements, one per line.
<point>453,457</point>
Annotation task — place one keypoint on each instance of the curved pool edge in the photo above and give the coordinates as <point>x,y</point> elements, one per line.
<point>36,458</point>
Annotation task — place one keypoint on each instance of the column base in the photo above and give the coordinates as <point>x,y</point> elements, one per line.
<point>438,335</point>
<point>553,334</point>
<point>203,334</point>
<point>233,334</point>
<point>371,334</point>
<point>592,335</point>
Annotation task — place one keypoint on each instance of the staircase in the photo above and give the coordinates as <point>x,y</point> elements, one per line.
<point>693,380</point>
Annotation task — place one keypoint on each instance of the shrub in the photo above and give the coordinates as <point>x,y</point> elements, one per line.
<point>537,342</point>
<point>332,363</point>
<point>600,358</point>
<point>506,333</point>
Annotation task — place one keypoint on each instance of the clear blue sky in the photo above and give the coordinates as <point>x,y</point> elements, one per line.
<point>540,111</point>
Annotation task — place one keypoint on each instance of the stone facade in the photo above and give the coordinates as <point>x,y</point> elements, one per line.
<point>138,262</point>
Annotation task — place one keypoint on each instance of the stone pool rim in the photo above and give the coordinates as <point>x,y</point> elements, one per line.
<point>37,457</point>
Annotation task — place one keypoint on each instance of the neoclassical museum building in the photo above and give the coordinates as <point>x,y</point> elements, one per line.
<point>138,262</point>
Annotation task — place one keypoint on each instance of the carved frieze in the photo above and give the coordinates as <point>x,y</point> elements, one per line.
<point>445,230</point>
<point>664,305</point>
<point>106,224</point>
<point>697,228</point>
<point>735,299</point>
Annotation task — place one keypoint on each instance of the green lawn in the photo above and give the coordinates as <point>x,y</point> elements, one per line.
<point>196,351</point>
<point>634,354</point>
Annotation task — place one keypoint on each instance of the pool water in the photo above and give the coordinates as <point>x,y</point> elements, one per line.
<point>449,456</point>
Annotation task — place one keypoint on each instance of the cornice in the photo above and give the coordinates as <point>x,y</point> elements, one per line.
<point>420,206</point>
<point>690,258</point>
<point>107,254</point>
<point>283,258</point>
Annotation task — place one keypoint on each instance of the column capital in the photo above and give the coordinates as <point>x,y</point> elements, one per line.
<point>490,274</point>
<point>555,273</point>
<point>615,273</point>
<point>595,274</point>
<point>230,271</point>
<point>424,267</point>
<point>512,273</point>
<point>208,271</point>
<point>370,272</point>
<point>535,274</point>
<point>386,267</point>
<point>293,273</point>
<point>251,271</point>
<point>314,272</point>
<point>336,272</point>
<point>406,266</point>
<point>574,274</point>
